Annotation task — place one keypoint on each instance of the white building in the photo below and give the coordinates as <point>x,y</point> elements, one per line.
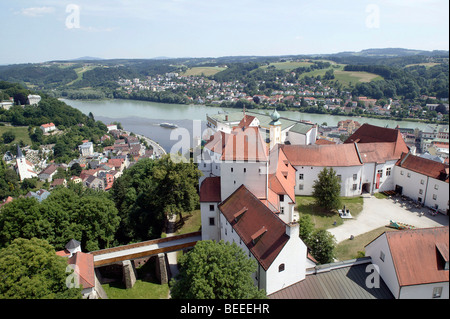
<point>34,99</point>
<point>423,180</point>
<point>24,168</point>
<point>86,149</point>
<point>413,263</point>
<point>48,127</point>
<point>247,197</point>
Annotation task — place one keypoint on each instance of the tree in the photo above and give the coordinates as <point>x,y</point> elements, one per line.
<point>306,228</point>
<point>216,270</point>
<point>327,189</point>
<point>149,192</point>
<point>8,137</point>
<point>322,244</point>
<point>30,269</point>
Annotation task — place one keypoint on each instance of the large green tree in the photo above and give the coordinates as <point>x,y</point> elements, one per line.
<point>30,269</point>
<point>327,189</point>
<point>216,270</point>
<point>86,215</point>
<point>151,191</point>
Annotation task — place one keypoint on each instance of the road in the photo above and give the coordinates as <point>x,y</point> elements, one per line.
<point>158,150</point>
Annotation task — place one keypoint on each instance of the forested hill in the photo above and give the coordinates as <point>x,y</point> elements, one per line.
<point>425,72</point>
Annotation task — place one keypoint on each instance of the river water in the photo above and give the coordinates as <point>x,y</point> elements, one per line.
<point>142,117</point>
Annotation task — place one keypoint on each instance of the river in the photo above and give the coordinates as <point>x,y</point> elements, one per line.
<point>142,117</point>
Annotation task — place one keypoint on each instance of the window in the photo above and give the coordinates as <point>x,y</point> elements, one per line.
<point>211,208</point>
<point>437,292</point>
<point>245,170</point>
<point>388,171</point>
<point>355,187</point>
<point>300,187</point>
<point>281,268</point>
<point>434,196</point>
<point>355,177</point>
<point>339,177</point>
<point>212,222</point>
<point>232,170</point>
<point>436,186</point>
<point>281,198</point>
<point>300,176</point>
<point>380,172</point>
<point>409,175</point>
<point>381,255</point>
<point>282,210</point>
<point>420,191</point>
<point>422,181</point>
<point>419,199</point>
<point>402,173</point>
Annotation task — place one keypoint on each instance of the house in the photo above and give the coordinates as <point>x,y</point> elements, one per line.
<point>83,266</point>
<point>40,195</point>
<point>34,99</point>
<point>48,173</point>
<point>86,149</point>
<point>94,182</point>
<point>58,182</point>
<point>423,180</point>
<point>413,263</point>
<point>48,127</point>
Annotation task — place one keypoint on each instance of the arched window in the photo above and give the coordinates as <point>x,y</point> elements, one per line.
<point>281,268</point>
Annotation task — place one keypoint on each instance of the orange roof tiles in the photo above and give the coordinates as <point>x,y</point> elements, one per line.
<point>252,222</point>
<point>424,166</point>
<point>322,155</point>
<point>240,145</point>
<point>415,256</point>
<point>85,268</point>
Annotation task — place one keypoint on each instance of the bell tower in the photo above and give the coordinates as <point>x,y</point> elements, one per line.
<point>275,129</point>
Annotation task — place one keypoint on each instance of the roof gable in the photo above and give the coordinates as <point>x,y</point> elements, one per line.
<point>424,166</point>
<point>322,155</point>
<point>261,230</point>
<point>416,257</point>
<point>210,190</point>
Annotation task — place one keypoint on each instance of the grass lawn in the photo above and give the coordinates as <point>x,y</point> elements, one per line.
<point>323,218</point>
<point>287,66</point>
<point>205,70</point>
<point>21,133</point>
<point>348,249</point>
<point>192,223</point>
<point>141,290</point>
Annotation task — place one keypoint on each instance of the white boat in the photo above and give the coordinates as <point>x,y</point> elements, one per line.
<point>168,125</point>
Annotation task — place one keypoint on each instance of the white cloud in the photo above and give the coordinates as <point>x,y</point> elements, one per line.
<point>37,11</point>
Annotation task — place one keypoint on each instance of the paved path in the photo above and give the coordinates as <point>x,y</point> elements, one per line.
<point>172,256</point>
<point>378,212</point>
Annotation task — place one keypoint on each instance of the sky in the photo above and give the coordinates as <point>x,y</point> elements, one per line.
<point>45,30</point>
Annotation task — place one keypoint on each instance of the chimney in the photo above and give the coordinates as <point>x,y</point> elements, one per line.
<point>293,229</point>
<point>226,117</point>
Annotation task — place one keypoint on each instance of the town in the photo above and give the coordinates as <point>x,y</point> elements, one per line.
<point>284,90</point>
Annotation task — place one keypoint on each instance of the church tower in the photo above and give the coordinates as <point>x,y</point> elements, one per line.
<point>275,129</point>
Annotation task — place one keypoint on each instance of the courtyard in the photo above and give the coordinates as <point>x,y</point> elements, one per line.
<point>378,212</point>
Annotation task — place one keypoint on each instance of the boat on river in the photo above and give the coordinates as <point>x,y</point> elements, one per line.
<point>168,125</point>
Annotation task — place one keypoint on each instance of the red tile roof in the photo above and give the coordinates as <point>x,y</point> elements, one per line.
<point>240,145</point>
<point>251,225</point>
<point>375,134</point>
<point>322,155</point>
<point>282,180</point>
<point>210,190</point>
<point>379,152</point>
<point>416,257</point>
<point>424,166</point>
<point>85,268</point>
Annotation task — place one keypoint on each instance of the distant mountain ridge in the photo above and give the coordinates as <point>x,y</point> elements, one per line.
<point>391,52</point>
